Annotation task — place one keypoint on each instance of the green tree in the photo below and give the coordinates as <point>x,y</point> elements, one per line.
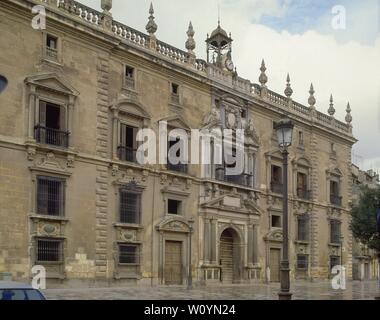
<point>364,214</point>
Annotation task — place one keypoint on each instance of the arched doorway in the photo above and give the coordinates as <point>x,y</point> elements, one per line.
<point>229,255</point>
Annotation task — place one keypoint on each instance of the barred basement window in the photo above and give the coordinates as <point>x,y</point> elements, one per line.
<point>302,261</point>
<point>130,203</point>
<point>49,251</point>
<point>50,196</point>
<point>129,254</point>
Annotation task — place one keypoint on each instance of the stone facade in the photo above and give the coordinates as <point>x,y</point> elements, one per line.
<point>103,75</point>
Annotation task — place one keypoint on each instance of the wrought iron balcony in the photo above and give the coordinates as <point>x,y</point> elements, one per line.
<point>175,98</point>
<point>130,82</point>
<point>127,154</point>
<point>52,53</point>
<point>245,179</point>
<point>51,136</point>
<point>336,200</point>
<point>302,193</point>
<point>276,187</point>
<point>177,167</point>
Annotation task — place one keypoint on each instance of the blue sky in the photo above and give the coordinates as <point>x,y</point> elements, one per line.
<point>299,16</point>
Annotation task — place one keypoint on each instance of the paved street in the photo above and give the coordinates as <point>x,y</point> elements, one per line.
<point>301,290</point>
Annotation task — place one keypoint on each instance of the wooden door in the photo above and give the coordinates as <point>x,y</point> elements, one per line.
<point>173,263</point>
<point>275,256</point>
<point>226,256</point>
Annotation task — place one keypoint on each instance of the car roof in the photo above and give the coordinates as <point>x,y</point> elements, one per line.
<point>14,285</point>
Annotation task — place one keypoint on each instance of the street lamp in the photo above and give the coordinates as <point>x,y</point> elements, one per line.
<point>190,275</point>
<point>3,83</point>
<point>284,129</point>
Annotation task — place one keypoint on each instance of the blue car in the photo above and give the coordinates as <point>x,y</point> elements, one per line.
<point>19,291</point>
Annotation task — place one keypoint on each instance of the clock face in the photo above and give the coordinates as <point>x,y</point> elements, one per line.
<point>229,65</point>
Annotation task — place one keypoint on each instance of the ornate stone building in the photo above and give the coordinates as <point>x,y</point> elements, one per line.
<point>74,199</point>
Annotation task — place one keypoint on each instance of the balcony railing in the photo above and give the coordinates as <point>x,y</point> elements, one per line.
<point>130,82</point>
<point>175,98</point>
<point>245,179</point>
<point>51,136</point>
<point>52,53</point>
<point>335,200</point>
<point>127,154</point>
<point>177,167</point>
<point>303,194</point>
<point>276,187</point>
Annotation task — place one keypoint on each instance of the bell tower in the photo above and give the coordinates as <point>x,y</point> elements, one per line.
<point>219,49</point>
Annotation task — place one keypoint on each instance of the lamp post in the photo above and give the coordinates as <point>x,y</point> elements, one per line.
<point>190,275</point>
<point>3,83</point>
<point>341,250</point>
<point>284,129</point>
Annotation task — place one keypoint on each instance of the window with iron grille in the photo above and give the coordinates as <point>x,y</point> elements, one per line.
<point>130,203</point>
<point>335,231</point>
<point>303,227</point>
<point>50,196</point>
<point>129,254</point>
<point>49,250</point>
<point>334,261</point>
<point>302,261</point>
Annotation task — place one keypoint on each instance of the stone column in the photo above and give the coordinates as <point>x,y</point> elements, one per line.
<point>255,237</point>
<point>213,240</point>
<point>115,125</point>
<point>250,244</point>
<point>206,241</point>
<point>31,113</point>
<point>70,120</point>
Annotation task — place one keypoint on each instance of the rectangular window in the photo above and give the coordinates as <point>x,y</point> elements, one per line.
<point>302,261</point>
<point>174,206</point>
<point>51,128</point>
<point>300,138</point>
<point>276,221</point>
<point>49,250</point>
<point>130,203</point>
<point>128,143</point>
<point>129,254</point>
<point>52,47</point>
<point>130,76</point>
<point>335,193</point>
<point>335,226</point>
<point>180,167</point>
<point>303,228</point>
<point>334,261</point>
<point>276,179</point>
<point>302,191</point>
<point>175,89</point>
<point>50,196</point>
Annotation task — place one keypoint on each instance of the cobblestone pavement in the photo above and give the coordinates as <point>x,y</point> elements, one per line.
<point>301,290</point>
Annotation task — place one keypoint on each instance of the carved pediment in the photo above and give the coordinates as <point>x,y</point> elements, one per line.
<point>274,235</point>
<point>51,164</point>
<point>177,122</point>
<point>131,107</point>
<point>52,82</point>
<point>173,225</point>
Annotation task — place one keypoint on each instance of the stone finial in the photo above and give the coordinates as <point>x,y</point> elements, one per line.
<point>348,115</point>
<point>106,5</point>
<point>263,79</point>
<point>331,110</point>
<point>151,27</point>
<point>312,100</point>
<point>190,43</point>
<point>288,91</point>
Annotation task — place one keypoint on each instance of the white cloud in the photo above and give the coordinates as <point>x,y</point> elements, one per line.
<point>350,70</point>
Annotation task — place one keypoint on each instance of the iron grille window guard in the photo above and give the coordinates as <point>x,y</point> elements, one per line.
<point>50,196</point>
<point>177,167</point>
<point>127,154</point>
<point>51,136</point>
<point>49,251</point>
<point>129,207</point>
<point>276,187</point>
<point>335,200</point>
<point>129,254</point>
